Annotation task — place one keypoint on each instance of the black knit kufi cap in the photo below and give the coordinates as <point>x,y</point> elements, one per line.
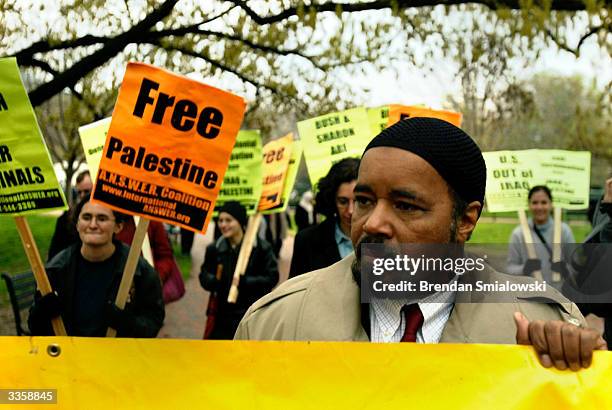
<point>447,148</point>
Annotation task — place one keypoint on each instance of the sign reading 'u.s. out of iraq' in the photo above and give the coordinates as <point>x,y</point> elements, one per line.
<point>511,174</point>
<point>27,181</point>
<point>168,147</point>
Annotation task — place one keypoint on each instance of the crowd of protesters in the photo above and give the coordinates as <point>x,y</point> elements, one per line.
<point>407,188</point>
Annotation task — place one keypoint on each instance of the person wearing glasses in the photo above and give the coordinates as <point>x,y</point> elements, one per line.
<point>324,244</point>
<point>85,279</point>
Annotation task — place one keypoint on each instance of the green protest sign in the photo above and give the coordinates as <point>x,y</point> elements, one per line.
<point>243,178</point>
<point>292,170</point>
<point>378,118</point>
<point>568,175</point>
<point>93,137</point>
<point>510,175</point>
<point>332,137</point>
<point>28,183</point>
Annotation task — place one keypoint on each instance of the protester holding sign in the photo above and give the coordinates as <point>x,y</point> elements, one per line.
<point>260,277</point>
<point>326,243</point>
<point>541,225</point>
<point>85,278</point>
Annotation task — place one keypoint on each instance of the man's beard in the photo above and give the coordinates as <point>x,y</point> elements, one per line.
<point>356,265</point>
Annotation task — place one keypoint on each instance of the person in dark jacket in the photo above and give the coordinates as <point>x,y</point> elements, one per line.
<point>590,265</point>
<point>65,233</point>
<point>324,244</point>
<point>85,279</point>
<point>260,277</point>
<point>305,215</point>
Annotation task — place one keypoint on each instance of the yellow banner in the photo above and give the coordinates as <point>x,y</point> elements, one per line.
<point>400,112</point>
<point>379,118</point>
<point>168,147</point>
<point>276,156</point>
<point>332,137</point>
<point>98,373</point>
<point>93,137</point>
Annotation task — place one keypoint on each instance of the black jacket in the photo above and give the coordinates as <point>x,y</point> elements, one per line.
<point>314,248</point>
<point>145,306</point>
<point>65,234</point>
<point>593,274</point>
<point>260,277</point>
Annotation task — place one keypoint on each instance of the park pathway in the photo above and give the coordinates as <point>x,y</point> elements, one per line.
<point>186,318</point>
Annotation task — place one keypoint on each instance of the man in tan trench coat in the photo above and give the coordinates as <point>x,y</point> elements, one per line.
<point>421,181</point>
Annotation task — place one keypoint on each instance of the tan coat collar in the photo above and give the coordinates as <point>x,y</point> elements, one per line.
<point>331,310</point>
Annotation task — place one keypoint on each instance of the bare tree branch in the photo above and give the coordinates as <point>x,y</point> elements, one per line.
<point>112,47</point>
<point>561,5</point>
<point>214,63</point>
<point>273,50</point>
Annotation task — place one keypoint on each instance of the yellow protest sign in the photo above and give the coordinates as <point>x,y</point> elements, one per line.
<point>510,175</point>
<point>400,112</point>
<point>28,183</point>
<point>276,156</point>
<point>568,175</point>
<point>379,118</point>
<point>330,138</point>
<point>93,137</point>
<point>292,170</point>
<point>167,148</point>
<point>97,373</point>
<point>243,181</point>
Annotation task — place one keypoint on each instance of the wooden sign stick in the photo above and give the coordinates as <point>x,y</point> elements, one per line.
<point>38,269</point>
<point>244,255</point>
<point>556,255</point>
<point>531,253</point>
<point>147,253</point>
<point>130,269</point>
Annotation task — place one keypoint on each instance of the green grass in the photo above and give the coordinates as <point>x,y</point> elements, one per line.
<point>500,232</point>
<point>12,257</point>
<point>183,261</point>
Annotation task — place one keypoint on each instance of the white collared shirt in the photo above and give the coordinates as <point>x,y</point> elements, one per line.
<point>387,324</point>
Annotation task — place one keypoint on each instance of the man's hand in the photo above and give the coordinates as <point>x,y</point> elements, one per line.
<point>558,343</point>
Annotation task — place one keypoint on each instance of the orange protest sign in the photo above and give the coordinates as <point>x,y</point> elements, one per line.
<point>276,156</point>
<point>399,112</point>
<point>168,147</point>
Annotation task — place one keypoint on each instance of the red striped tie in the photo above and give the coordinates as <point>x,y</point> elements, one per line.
<point>414,320</point>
